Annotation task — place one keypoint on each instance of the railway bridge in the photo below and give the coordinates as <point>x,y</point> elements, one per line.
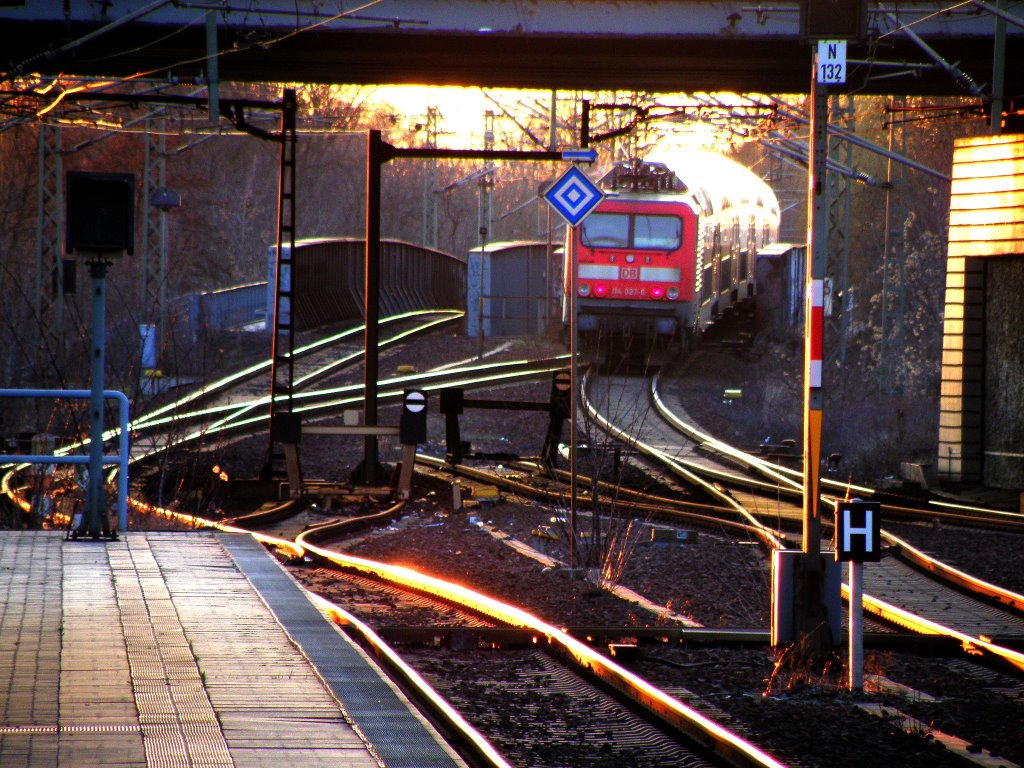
<point>915,47</point>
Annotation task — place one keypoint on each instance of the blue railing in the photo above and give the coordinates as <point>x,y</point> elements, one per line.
<point>121,459</point>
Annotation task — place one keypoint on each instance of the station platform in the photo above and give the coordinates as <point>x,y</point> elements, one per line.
<point>184,649</point>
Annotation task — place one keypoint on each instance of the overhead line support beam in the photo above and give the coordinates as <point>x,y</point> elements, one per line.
<point>957,74</point>
<point>282,369</point>
<point>379,152</point>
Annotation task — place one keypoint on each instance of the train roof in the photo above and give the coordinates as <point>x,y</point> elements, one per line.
<point>676,198</point>
<point>716,182</point>
<point>776,250</point>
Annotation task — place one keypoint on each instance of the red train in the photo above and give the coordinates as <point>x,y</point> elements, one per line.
<point>669,250</point>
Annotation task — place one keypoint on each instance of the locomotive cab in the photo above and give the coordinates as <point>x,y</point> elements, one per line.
<point>664,254</point>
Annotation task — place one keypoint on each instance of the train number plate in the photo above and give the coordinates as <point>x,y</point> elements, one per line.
<point>629,273</point>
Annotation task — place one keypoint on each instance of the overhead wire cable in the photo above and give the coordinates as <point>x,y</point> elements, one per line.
<point>207,57</point>
<point>900,27</point>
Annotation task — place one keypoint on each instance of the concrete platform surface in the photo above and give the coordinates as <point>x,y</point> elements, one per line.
<point>184,649</point>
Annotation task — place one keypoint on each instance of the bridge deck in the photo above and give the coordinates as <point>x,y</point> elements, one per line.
<point>183,649</point>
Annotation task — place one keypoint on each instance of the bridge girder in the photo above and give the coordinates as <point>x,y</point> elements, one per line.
<point>654,45</point>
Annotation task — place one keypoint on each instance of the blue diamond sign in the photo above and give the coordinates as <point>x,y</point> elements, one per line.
<point>573,196</point>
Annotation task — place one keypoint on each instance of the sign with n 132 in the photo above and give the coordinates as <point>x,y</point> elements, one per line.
<point>832,62</point>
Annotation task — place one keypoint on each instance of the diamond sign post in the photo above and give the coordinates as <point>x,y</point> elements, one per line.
<point>573,196</point>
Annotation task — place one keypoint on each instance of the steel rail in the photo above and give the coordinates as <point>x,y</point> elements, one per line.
<point>466,377</point>
<point>696,726</point>
<point>744,459</point>
<point>699,728</point>
<point>943,573</point>
<point>442,714</point>
<point>790,478</point>
<point>264,366</point>
<point>157,417</point>
<point>915,623</point>
<point>672,509</point>
<point>320,409</point>
<point>251,372</point>
<point>450,377</point>
<point>723,475</point>
<point>670,710</point>
<point>989,519</point>
<point>774,539</point>
<point>1013,517</point>
<point>793,478</point>
<point>469,742</point>
<point>429,381</point>
<point>954,576</point>
<point>677,714</point>
<point>622,492</point>
<point>330,368</point>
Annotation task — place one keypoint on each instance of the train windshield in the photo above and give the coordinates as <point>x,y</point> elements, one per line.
<point>640,231</point>
<point>606,230</point>
<point>662,233</point>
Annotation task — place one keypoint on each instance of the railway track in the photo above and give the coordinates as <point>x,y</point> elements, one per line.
<point>620,726</point>
<point>927,598</point>
<point>531,706</point>
<point>228,407</point>
<point>666,729</point>
<point>652,503</point>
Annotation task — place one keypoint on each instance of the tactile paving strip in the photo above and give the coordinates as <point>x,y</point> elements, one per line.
<point>179,725</point>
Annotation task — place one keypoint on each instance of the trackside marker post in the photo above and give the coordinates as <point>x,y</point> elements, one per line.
<point>412,431</point>
<point>858,540</point>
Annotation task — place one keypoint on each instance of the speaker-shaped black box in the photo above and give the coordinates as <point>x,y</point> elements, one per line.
<point>101,212</point>
<point>833,20</point>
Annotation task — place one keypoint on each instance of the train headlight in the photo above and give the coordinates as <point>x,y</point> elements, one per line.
<point>600,290</point>
<point>673,293</point>
<point>657,293</point>
<point>630,258</point>
<point>584,290</point>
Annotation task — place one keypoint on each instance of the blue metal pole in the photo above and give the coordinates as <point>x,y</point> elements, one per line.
<point>95,521</point>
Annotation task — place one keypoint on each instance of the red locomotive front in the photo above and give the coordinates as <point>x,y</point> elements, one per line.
<point>665,254</point>
<point>636,256</point>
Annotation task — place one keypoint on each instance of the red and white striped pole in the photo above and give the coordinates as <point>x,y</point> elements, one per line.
<point>814,315</point>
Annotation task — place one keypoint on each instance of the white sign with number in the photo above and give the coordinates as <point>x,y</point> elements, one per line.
<point>832,62</point>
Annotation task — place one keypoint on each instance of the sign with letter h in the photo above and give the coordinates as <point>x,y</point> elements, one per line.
<point>858,534</point>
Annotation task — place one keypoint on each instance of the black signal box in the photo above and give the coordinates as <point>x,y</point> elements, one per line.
<point>100,213</point>
<point>833,20</point>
